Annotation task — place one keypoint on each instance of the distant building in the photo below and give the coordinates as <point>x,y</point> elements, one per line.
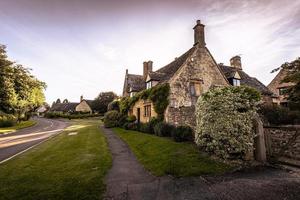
<point>84,107</point>
<point>279,89</point>
<point>236,76</point>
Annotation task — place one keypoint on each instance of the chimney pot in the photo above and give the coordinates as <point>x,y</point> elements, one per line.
<point>236,62</point>
<point>147,67</point>
<point>199,37</point>
<point>81,98</point>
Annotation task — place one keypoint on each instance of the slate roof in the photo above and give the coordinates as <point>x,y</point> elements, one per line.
<point>89,102</point>
<point>245,79</point>
<point>64,107</point>
<point>137,82</point>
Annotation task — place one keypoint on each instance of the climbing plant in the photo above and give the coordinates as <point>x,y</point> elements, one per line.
<point>158,95</point>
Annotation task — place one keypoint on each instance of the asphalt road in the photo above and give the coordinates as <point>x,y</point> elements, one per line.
<point>17,142</point>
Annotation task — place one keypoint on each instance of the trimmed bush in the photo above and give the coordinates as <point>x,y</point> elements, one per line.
<point>111,119</point>
<point>163,129</point>
<point>7,120</point>
<point>225,121</point>
<point>278,115</point>
<point>182,134</point>
<point>69,115</point>
<point>131,118</point>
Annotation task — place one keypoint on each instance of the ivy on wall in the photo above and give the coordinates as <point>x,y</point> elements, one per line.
<point>158,95</point>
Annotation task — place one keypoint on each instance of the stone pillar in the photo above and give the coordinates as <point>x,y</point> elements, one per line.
<point>199,37</point>
<point>259,141</point>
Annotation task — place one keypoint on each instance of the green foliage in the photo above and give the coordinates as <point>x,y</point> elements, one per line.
<point>163,129</point>
<point>224,120</point>
<point>279,115</point>
<point>158,95</point>
<point>114,105</point>
<point>111,119</point>
<point>293,76</point>
<point>131,118</point>
<point>100,104</point>
<point>20,91</point>
<point>70,115</point>
<point>182,134</point>
<point>7,120</point>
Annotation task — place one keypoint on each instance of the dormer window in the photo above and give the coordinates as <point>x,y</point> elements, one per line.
<point>236,82</point>
<point>149,84</point>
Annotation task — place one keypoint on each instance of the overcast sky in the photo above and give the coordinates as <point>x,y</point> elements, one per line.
<point>82,47</point>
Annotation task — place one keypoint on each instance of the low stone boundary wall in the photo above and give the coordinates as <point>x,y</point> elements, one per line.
<point>283,143</point>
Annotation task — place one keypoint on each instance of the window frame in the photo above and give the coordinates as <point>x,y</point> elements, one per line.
<point>147,111</point>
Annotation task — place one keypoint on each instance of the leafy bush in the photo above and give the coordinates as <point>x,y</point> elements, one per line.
<point>114,105</point>
<point>7,120</point>
<point>145,128</point>
<point>69,115</point>
<point>163,129</point>
<point>131,118</point>
<point>111,119</point>
<point>224,121</point>
<point>182,134</point>
<point>279,115</point>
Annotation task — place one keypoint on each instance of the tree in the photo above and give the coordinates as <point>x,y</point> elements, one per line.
<point>65,101</point>
<point>58,100</point>
<point>20,91</point>
<point>101,102</point>
<point>293,76</point>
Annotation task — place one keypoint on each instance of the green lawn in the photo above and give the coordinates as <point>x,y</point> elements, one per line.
<point>23,124</point>
<point>65,167</point>
<point>163,156</point>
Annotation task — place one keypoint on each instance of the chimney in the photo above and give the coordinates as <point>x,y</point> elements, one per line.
<point>199,34</point>
<point>126,71</point>
<point>81,98</point>
<point>147,67</point>
<point>235,62</point>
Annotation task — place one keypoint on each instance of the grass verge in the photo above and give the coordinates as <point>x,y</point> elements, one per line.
<point>65,167</point>
<point>23,124</point>
<point>163,156</point>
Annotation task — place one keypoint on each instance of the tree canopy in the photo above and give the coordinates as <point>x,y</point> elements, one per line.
<point>102,100</point>
<point>20,91</point>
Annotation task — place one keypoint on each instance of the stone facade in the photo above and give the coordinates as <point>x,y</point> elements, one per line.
<point>83,106</point>
<point>278,88</point>
<point>283,142</point>
<point>199,67</point>
<point>143,110</point>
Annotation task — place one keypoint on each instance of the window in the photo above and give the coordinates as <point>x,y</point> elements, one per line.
<point>147,111</point>
<point>149,84</point>
<point>236,82</point>
<point>195,88</point>
<point>282,91</point>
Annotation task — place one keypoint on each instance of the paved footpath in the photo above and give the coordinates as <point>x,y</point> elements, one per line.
<point>127,179</point>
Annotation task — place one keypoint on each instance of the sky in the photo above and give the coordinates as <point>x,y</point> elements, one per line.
<point>83,47</point>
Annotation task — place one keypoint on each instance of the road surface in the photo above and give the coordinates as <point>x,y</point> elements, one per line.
<point>14,143</point>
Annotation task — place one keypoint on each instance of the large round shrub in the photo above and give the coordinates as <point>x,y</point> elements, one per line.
<point>111,119</point>
<point>224,120</point>
<point>163,129</point>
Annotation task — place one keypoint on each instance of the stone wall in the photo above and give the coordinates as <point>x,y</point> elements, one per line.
<point>283,142</point>
<point>183,116</point>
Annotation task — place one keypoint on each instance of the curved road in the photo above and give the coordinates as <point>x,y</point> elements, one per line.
<point>14,143</point>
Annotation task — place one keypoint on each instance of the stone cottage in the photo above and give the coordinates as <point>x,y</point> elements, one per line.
<point>189,75</point>
<point>279,88</point>
<point>83,106</point>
